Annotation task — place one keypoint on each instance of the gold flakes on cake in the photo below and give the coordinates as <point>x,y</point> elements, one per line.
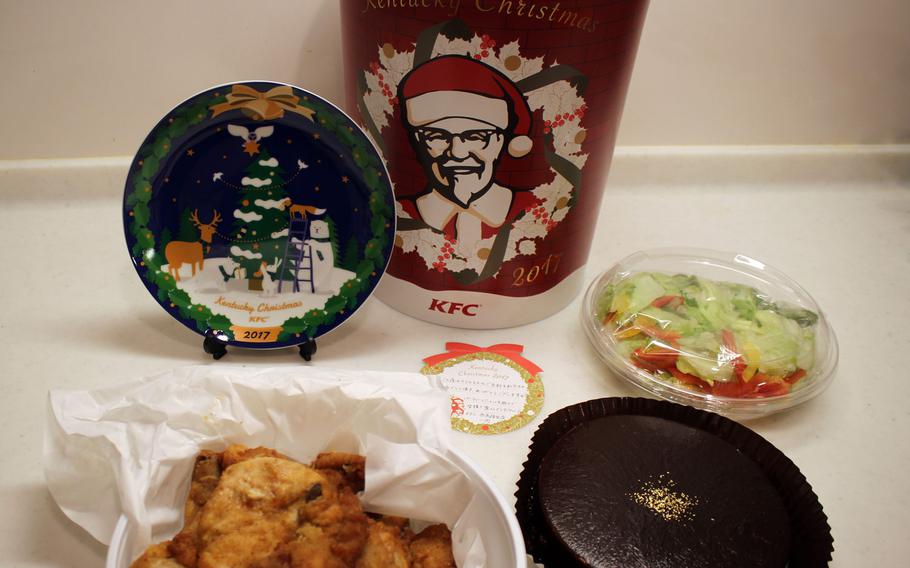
<point>661,498</point>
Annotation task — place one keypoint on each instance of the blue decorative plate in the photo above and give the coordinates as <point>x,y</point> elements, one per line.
<point>259,210</point>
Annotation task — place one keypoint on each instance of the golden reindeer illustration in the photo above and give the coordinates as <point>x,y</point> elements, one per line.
<point>179,253</point>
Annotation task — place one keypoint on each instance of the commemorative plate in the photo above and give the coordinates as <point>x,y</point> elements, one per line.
<point>259,211</point>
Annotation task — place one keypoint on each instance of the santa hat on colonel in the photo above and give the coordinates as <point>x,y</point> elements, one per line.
<point>458,87</point>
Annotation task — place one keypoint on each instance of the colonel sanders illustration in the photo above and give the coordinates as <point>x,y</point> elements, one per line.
<point>462,116</point>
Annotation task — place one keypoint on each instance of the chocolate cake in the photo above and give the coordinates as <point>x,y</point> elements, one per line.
<point>643,491</point>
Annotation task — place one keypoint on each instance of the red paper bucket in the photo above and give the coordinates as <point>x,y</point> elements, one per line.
<point>497,120</point>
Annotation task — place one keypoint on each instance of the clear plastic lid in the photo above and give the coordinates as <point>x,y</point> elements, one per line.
<point>715,330</point>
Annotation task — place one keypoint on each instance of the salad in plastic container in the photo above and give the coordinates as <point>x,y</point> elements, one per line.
<point>715,330</point>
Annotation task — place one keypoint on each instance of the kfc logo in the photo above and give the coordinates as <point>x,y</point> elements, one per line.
<point>452,308</point>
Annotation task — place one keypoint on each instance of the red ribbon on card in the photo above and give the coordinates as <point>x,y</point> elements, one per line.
<point>510,351</point>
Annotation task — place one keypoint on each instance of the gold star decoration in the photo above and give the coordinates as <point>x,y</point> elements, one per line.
<point>251,147</point>
<point>290,141</point>
<point>190,152</point>
<point>345,179</point>
<point>316,136</point>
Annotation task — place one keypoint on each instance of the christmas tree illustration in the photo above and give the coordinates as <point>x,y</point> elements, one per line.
<point>351,254</point>
<point>333,237</point>
<point>261,227</point>
<point>187,230</point>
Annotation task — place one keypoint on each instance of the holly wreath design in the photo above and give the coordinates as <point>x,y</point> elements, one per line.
<point>264,215</point>
<point>465,222</point>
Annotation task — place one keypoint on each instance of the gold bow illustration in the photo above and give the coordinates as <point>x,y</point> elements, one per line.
<point>265,106</point>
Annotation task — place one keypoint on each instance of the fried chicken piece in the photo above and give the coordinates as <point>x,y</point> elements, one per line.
<point>342,521</point>
<point>385,548</point>
<point>156,556</point>
<point>206,475</point>
<point>256,508</point>
<point>351,467</point>
<point>403,524</point>
<point>236,453</point>
<point>432,548</point>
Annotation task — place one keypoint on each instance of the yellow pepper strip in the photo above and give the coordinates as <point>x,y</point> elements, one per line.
<point>749,372</point>
<point>626,333</point>
<point>752,355</point>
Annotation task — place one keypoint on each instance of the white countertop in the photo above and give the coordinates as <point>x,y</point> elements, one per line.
<point>74,314</point>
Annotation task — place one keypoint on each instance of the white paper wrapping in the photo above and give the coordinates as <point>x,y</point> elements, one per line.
<point>130,449</point>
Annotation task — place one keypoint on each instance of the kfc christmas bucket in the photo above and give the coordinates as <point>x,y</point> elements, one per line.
<point>497,120</point>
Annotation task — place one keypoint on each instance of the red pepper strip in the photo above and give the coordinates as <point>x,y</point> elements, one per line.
<point>690,380</point>
<point>732,389</point>
<point>669,336</point>
<point>795,376</point>
<point>655,358</point>
<point>668,301</point>
<point>739,367</point>
<point>609,317</point>
<point>766,387</point>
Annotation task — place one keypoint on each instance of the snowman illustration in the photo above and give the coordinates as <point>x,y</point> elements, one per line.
<point>323,257</point>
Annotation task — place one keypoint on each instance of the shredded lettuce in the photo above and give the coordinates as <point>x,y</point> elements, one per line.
<point>721,332</point>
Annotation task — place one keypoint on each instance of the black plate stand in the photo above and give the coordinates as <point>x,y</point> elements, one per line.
<point>308,349</point>
<point>215,343</point>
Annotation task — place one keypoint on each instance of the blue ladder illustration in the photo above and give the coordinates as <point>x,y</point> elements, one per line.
<point>298,256</point>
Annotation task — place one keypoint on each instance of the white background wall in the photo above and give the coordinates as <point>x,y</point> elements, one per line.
<point>91,77</point>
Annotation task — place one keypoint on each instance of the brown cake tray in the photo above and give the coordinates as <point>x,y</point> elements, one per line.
<point>811,543</point>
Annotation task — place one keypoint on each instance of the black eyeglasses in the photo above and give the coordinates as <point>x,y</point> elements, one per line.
<point>441,140</point>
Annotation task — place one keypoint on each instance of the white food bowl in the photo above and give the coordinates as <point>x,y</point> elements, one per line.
<point>131,447</point>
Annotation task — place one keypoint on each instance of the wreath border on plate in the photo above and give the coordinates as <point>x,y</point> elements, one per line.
<point>155,151</point>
